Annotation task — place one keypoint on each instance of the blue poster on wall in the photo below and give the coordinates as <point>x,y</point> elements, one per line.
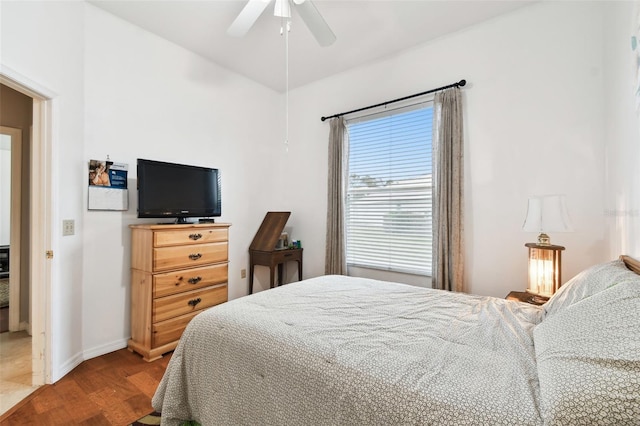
<point>118,175</point>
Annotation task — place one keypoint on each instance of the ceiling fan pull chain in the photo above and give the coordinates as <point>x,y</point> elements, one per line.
<point>286,59</point>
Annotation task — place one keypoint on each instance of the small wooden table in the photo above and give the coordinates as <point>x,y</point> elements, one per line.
<point>272,259</point>
<point>523,296</point>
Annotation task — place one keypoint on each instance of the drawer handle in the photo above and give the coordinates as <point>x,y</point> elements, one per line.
<point>194,302</point>
<point>195,256</point>
<point>288,254</point>
<point>195,237</point>
<point>195,280</point>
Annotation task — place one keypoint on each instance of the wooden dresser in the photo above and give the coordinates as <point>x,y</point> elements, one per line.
<point>176,272</point>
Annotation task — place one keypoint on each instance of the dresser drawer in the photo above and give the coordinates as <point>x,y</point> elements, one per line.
<point>189,236</point>
<point>183,303</point>
<point>176,257</point>
<point>168,283</point>
<point>170,330</point>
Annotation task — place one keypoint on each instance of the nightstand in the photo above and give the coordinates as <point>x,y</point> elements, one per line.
<point>523,296</point>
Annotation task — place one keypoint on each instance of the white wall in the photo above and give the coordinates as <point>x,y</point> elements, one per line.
<point>124,93</point>
<point>622,201</point>
<point>43,41</point>
<point>534,125</point>
<point>147,98</point>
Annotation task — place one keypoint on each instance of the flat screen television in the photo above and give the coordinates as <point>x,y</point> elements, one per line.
<point>177,191</point>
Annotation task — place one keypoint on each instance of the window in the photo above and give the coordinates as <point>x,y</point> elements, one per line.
<point>388,207</point>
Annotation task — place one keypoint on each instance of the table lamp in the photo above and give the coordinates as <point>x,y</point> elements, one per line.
<point>547,213</point>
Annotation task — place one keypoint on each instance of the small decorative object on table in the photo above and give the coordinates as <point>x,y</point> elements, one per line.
<point>295,244</point>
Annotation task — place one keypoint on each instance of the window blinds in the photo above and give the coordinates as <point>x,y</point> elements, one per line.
<point>388,206</point>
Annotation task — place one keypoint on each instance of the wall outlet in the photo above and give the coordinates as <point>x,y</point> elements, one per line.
<point>68,227</point>
<point>243,273</point>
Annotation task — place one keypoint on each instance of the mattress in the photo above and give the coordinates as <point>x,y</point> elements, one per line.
<point>338,350</point>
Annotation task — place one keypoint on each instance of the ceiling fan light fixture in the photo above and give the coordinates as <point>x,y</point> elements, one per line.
<point>282,9</point>
<point>305,9</point>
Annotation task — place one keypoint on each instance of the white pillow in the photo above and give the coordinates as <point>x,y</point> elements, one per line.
<point>588,360</point>
<point>587,283</point>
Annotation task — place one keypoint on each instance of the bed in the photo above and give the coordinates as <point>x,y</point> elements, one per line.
<point>337,350</point>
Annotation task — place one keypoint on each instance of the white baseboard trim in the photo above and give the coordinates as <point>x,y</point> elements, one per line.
<point>105,349</point>
<point>66,368</point>
<point>78,358</point>
<point>25,326</point>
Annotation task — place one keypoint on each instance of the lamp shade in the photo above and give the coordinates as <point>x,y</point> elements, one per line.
<point>547,213</point>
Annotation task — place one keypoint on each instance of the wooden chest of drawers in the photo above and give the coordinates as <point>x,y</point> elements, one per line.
<point>176,272</point>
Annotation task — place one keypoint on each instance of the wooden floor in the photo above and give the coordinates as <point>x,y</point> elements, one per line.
<point>113,389</point>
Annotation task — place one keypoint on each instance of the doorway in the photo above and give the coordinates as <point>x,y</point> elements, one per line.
<point>15,338</point>
<point>30,229</point>
<point>10,224</point>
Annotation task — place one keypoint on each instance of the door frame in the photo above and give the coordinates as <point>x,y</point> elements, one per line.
<point>15,220</point>
<point>42,141</point>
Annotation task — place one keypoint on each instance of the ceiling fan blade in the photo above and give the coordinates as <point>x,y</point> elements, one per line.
<point>315,22</point>
<point>247,17</point>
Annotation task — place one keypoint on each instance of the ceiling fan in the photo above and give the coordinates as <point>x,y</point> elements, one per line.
<point>306,9</point>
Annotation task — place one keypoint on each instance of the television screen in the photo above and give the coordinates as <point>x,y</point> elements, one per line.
<point>169,190</point>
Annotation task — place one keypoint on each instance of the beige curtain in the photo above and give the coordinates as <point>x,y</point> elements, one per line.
<point>335,259</point>
<point>448,231</point>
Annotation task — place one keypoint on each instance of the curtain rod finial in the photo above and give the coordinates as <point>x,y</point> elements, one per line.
<point>323,118</point>
<point>462,82</point>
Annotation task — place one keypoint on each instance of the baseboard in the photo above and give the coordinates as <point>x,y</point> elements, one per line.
<point>88,354</point>
<point>66,368</point>
<point>105,349</point>
<point>24,325</point>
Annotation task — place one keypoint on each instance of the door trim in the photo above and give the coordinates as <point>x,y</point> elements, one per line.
<point>41,219</point>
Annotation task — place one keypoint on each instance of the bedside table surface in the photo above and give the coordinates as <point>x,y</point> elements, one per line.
<point>523,296</point>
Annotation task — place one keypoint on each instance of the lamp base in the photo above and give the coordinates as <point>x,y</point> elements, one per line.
<point>544,239</point>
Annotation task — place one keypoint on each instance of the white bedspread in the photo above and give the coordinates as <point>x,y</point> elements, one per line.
<point>337,350</point>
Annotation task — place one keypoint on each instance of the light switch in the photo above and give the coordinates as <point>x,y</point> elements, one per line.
<point>68,227</point>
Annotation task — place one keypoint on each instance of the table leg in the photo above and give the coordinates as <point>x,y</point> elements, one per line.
<point>271,277</point>
<point>251,279</point>
<point>280,269</point>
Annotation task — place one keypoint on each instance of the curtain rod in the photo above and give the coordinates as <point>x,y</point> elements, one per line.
<point>458,84</point>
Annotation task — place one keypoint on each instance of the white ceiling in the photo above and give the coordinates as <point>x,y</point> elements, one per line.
<point>366,31</point>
